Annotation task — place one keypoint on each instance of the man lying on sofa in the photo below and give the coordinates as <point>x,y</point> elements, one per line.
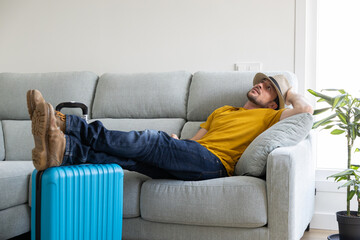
<point>211,153</point>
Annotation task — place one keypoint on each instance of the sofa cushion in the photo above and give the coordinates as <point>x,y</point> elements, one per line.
<point>146,95</point>
<point>287,132</point>
<point>14,221</point>
<point>18,139</point>
<point>190,129</point>
<point>14,182</point>
<point>132,186</point>
<point>2,147</point>
<point>168,125</point>
<point>212,202</point>
<point>55,87</point>
<point>211,90</point>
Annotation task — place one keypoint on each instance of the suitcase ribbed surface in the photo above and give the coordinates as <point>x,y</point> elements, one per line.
<point>81,202</point>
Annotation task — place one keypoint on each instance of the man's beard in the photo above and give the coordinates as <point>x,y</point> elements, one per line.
<point>254,100</point>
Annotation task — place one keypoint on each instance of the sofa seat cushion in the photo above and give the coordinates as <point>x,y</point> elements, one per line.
<point>14,182</point>
<point>132,187</point>
<point>238,201</point>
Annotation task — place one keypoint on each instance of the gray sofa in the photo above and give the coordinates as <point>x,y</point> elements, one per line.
<point>277,207</point>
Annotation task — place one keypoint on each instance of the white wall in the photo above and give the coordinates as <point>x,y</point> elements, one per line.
<point>161,35</point>
<point>142,35</point>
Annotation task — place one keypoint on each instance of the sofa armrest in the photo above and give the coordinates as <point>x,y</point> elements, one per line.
<point>291,190</point>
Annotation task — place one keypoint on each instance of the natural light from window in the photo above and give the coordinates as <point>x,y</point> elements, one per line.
<point>338,66</point>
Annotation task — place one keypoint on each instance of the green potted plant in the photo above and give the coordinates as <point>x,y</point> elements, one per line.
<point>344,120</point>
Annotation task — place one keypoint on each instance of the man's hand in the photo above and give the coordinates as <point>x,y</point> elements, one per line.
<point>174,136</point>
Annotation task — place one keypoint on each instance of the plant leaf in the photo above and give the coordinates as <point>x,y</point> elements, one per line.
<point>338,100</point>
<point>353,132</point>
<point>351,195</point>
<point>337,131</point>
<point>342,91</point>
<point>349,183</point>
<point>333,89</point>
<point>356,114</point>
<point>328,127</point>
<point>327,122</point>
<point>328,99</point>
<point>318,123</point>
<point>346,173</point>
<point>338,179</point>
<point>321,110</point>
<point>354,166</point>
<point>341,116</point>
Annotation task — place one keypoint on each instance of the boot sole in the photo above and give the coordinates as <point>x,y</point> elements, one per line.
<point>40,127</point>
<point>30,102</point>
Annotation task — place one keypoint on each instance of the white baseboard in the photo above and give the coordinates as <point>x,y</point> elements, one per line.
<point>328,200</point>
<point>325,221</point>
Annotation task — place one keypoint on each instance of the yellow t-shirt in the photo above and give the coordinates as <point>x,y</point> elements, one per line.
<point>231,130</point>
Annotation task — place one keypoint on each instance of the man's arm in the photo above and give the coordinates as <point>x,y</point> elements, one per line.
<point>299,103</point>
<point>197,136</point>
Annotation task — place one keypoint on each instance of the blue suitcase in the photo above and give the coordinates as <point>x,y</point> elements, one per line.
<point>77,202</point>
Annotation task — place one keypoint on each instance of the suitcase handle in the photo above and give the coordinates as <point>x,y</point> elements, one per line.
<point>73,104</point>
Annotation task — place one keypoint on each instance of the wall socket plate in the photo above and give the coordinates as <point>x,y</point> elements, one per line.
<point>248,66</point>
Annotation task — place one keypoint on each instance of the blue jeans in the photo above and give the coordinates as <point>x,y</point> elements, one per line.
<point>150,152</point>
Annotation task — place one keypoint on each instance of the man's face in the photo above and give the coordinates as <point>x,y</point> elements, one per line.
<point>263,94</point>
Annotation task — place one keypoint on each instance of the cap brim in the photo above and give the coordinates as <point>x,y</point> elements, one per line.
<point>259,77</point>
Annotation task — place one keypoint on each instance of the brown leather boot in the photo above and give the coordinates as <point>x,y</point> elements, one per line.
<point>33,97</point>
<point>49,139</point>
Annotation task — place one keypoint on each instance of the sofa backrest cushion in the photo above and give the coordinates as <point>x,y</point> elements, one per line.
<point>2,148</point>
<point>168,125</point>
<point>18,140</point>
<point>55,87</point>
<point>142,95</point>
<point>211,90</point>
<point>190,129</point>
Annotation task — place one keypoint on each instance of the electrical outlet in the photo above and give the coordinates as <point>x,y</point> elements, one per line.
<point>248,66</point>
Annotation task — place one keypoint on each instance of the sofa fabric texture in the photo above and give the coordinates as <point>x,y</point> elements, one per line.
<point>202,203</point>
<point>278,207</point>
<point>16,133</point>
<point>114,100</point>
<point>55,87</point>
<point>14,179</point>
<point>168,125</point>
<point>2,147</point>
<point>287,132</point>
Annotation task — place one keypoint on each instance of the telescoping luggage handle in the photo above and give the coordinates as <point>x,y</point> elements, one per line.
<point>73,104</point>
